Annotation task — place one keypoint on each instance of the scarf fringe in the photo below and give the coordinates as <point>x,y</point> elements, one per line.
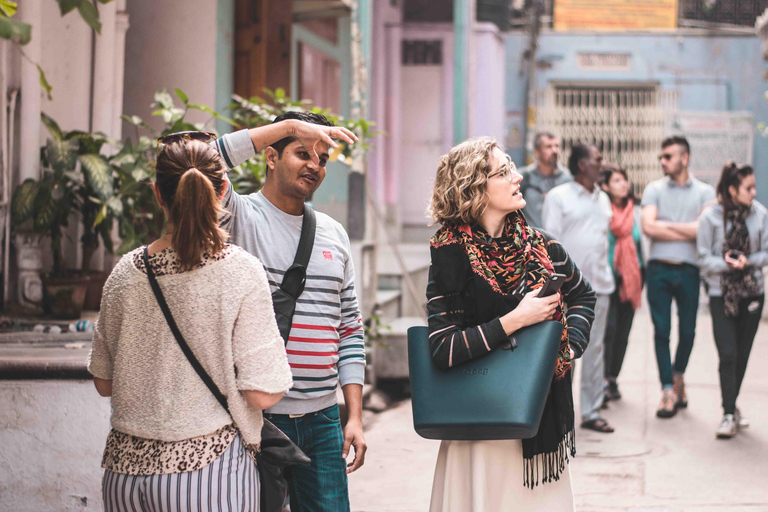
<point>548,467</point>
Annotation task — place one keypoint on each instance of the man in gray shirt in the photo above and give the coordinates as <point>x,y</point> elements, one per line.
<point>542,176</point>
<point>671,207</point>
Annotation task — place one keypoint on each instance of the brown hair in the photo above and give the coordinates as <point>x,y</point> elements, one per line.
<point>190,176</point>
<point>607,172</point>
<point>459,195</point>
<point>731,176</point>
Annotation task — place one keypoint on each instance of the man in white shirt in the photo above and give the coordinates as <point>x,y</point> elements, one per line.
<point>578,214</point>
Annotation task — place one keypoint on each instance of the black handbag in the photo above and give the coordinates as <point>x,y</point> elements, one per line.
<point>284,298</point>
<point>500,395</point>
<point>277,450</point>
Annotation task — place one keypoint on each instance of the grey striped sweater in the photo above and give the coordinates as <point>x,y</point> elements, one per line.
<point>325,347</point>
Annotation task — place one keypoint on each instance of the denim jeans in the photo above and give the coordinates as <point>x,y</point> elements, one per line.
<point>321,486</point>
<point>665,282</point>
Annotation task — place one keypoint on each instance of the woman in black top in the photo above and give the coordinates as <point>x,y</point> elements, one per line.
<point>487,266</point>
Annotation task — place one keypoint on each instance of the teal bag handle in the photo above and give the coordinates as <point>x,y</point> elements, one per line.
<point>497,396</point>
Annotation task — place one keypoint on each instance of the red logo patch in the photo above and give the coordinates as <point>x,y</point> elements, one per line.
<point>327,255</point>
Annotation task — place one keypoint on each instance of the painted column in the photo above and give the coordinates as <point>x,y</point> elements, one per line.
<point>30,11</point>
<point>462,25</point>
<point>225,58</point>
<point>102,102</point>
<point>121,27</point>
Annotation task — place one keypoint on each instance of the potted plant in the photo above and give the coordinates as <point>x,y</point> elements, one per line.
<point>76,180</point>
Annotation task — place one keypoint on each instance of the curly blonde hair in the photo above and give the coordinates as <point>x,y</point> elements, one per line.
<point>459,195</point>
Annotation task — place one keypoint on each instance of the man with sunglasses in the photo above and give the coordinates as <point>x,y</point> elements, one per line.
<point>325,346</point>
<point>671,208</point>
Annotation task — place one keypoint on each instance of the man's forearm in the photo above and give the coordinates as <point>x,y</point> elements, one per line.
<point>353,398</point>
<point>685,229</point>
<point>266,135</point>
<point>661,231</point>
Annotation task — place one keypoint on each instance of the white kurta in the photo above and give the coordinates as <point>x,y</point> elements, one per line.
<point>487,476</point>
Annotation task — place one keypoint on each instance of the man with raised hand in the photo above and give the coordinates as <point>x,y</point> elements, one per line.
<point>325,346</point>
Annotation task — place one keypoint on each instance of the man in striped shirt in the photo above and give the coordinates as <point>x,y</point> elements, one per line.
<point>325,346</point>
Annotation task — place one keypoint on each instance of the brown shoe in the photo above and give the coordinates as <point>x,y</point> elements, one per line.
<point>679,385</point>
<point>667,407</point>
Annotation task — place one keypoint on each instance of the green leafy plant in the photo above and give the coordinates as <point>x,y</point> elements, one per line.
<point>76,180</point>
<point>247,113</point>
<point>20,33</point>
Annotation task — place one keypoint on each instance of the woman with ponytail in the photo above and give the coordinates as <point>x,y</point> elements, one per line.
<point>732,243</point>
<point>172,445</point>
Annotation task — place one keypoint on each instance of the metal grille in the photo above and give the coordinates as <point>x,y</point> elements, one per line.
<point>627,124</point>
<point>732,12</point>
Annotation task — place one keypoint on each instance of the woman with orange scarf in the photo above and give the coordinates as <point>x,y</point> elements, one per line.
<point>625,256</point>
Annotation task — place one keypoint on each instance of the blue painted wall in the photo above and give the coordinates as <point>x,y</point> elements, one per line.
<point>711,73</point>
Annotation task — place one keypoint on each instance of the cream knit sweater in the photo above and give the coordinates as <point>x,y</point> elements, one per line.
<point>224,311</point>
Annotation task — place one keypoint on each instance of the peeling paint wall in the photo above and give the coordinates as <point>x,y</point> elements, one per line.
<point>52,435</point>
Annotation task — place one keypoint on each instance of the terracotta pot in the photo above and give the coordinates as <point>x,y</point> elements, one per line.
<point>64,296</point>
<point>95,287</point>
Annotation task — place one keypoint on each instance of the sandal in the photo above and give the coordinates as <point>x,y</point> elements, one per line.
<point>598,425</point>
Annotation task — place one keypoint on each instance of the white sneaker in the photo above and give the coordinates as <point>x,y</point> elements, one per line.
<point>727,428</point>
<point>741,421</point>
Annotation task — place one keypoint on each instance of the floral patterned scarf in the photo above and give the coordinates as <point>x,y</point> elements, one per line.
<point>515,264</point>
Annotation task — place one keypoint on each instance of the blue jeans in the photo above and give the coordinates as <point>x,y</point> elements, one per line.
<point>665,282</point>
<point>321,486</point>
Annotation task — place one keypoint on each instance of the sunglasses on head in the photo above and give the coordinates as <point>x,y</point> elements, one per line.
<point>173,138</point>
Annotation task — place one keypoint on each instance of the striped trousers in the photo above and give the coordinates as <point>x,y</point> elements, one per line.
<point>230,484</point>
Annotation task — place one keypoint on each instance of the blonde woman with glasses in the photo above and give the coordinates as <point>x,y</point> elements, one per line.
<point>487,267</point>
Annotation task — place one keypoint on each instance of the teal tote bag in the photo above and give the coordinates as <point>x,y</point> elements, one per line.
<point>497,396</point>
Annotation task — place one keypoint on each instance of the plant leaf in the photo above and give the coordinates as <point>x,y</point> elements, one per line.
<point>90,15</point>
<point>15,30</point>
<point>23,200</point>
<point>45,210</point>
<point>53,126</point>
<point>116,206</point>
<point>8,8</point>
<point>105,230</point>
<point>67,6</point>
<point>98,174</point>
<point>183,97</point>
<point>100,216</point>
<point>44,83</point>
<point>62,154</point>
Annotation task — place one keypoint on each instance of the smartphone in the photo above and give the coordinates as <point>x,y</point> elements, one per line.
<point>733,255</point>
<point>552,286</point>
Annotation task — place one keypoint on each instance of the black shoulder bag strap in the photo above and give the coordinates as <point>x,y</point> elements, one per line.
<point>277,450</point>
<point>179,338</point>
<point>284,298</point>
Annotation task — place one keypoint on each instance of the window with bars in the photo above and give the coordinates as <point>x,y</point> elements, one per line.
<point>626,122</point>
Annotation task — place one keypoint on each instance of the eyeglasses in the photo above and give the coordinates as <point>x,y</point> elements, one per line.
<point>665,156</point>
<point>506,171</point>
<point>173,138</point>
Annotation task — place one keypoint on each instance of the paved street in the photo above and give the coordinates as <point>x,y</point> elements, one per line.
<point>647,465</point>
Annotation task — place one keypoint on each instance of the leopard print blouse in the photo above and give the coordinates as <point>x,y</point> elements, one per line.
<point>131,455</point>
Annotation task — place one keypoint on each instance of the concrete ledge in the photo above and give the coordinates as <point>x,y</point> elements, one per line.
<point>44,360</point>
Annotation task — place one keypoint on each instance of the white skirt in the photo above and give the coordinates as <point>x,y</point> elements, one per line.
<point>487,476</point>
